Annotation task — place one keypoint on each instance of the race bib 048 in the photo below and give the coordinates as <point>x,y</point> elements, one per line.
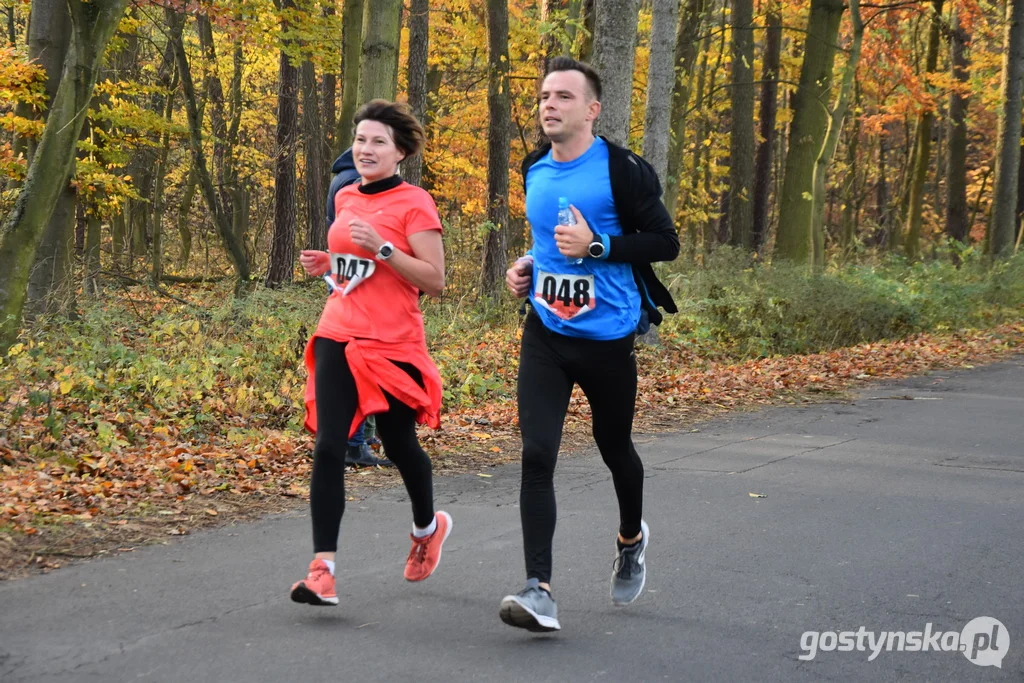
<point>350,271</point>
<point>567,296</point>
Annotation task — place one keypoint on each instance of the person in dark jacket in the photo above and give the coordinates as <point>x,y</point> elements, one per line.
<point>590,287</point>
<point>359,453</point>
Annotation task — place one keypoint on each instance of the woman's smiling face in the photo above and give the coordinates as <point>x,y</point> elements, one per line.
<point>374,151</point>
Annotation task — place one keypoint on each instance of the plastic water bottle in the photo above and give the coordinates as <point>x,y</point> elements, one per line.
<point>566,217</point>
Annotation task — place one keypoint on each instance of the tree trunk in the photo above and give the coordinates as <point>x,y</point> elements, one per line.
<point>158,199</point>
<point>351,47</point>
<point>317,167</point>
<point>1004,208</point>
<point>48,38</point>
<point>741,140</point>
<point>434,76</point>
<point>550,45</point>
<point>807,131</point>
<point>218,211</point>
<point>614,50</point>
<point>12,30</point>
<point>282,250</point>
<point>184,231</point>
<point>51,286</point>
<point>687,37</point>
<point>93,234</point>
<point>831,142</point>
<point>382,28</point>
<point>766,121</point>
<point>956,165</point>
<point>700,151</point>
<point>1020,191</point>
<point>585,39</point>
<point>499,131</point>
<point>222,153</point>
<point>329,98</point>
<point>92,28</point>
<point>661,79</point>
<point>851,189</point>
<point>882,188</point>
<point>912,246</point>
<point>49,34</point>
<point>419,41</point>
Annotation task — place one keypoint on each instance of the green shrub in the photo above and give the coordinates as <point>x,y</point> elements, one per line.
<point>744,309</point>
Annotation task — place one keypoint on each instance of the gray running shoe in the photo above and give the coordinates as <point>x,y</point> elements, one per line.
<point>532,608</point>
<point>629,572</point>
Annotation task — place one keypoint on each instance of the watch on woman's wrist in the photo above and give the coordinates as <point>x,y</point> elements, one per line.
<point>385,251</point>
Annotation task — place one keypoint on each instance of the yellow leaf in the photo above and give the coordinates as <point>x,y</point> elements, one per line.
<point>481,435</point>
<point>757,495</point>
<point>65,386</point>
<point>15,350</point>
<point>485,476</point>
<point>195,326</point>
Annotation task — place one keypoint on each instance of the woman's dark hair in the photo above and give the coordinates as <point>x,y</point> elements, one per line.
<point>570,64</point>
<point>399,118</point>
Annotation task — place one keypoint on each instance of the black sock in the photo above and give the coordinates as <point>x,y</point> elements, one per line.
<point>622,546</point>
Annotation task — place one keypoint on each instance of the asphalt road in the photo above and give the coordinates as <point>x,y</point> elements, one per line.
<point>900,511</point>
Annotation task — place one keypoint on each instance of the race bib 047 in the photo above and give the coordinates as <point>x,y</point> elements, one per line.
<point>567,296</point>
<point>350,271</point>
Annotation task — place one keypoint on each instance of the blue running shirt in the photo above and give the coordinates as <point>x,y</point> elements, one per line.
<point>594,299</point>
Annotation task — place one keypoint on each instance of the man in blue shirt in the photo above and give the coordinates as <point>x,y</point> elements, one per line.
<point>590,286</point>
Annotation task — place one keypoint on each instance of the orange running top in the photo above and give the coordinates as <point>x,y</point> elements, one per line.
<point>379,317</point>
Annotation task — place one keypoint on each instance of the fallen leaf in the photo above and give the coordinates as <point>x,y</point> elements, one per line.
<point>757,495</point>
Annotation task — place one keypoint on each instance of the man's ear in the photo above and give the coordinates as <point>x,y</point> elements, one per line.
<point>594,110</point>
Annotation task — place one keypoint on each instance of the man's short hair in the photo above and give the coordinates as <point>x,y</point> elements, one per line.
<point>570,64</point>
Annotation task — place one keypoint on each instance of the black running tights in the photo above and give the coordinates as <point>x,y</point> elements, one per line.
<point>336,402</point>
<point>549,365</point>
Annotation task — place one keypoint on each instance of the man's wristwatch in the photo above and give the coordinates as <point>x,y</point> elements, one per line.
<point>596,248</point>
<point>385,251</point>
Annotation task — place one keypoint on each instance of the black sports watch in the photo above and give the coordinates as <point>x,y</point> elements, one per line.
<point>385,251</point>
<point>596,248</point>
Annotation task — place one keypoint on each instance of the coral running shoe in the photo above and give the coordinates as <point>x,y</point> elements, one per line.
<point>426,551</point>
<point>317,588</point>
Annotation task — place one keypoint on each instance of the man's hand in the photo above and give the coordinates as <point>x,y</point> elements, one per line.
<point>572,240</point>
<point>315,263</point>
<point>518,277</point>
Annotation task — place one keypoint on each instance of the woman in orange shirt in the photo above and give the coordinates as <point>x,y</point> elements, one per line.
<point>368,355</point>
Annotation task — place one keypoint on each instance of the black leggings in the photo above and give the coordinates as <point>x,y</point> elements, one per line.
<point>549,365</point>
<point>336,403</point>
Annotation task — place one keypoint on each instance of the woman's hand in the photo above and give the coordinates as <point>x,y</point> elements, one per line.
<point>315,263</point>
<point>364,235</point>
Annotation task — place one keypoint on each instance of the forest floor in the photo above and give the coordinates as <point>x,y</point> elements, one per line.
<point>54,511</point>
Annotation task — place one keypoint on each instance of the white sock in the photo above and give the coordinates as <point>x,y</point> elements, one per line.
<point>426,531</point>
<point>330,565</point>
